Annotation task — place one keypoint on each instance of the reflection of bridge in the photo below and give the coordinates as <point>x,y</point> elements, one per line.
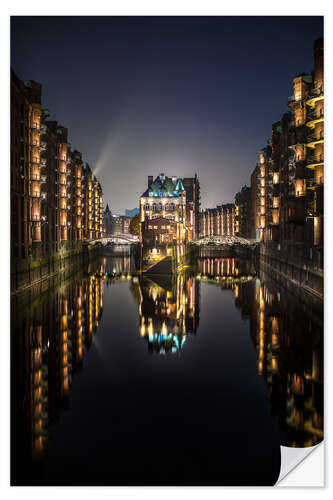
<point>224,240</point>
<point>118,239</point>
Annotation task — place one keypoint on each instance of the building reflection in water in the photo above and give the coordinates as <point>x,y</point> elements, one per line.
<point>225,267</point>
<point>168,310</point>
<point>52,334</point>
<point>287,337</point>
<point>51,337</point>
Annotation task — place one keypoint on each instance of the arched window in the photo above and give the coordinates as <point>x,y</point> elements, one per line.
<point>147,207</point>
<point>154,207</point>
<point>160,207</point>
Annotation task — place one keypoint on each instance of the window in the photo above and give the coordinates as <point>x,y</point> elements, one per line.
<point>147,206</point>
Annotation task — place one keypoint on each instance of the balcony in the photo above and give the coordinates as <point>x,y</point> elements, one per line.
<point>313,118</point>
<point>315,96</point>
<point>42,146</point>
<point>43,178</point>
<point>312,140</point>
<point>313,161</point>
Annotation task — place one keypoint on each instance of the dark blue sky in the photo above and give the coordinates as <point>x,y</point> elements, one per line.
<point>177,95</point>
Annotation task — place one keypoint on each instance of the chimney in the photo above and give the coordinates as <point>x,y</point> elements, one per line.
<point>150,180</point>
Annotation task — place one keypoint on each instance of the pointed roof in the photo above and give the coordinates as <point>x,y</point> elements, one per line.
<point>179,186</point>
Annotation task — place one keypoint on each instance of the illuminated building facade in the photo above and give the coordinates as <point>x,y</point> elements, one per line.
<point>76,196</point>
<point>243,212</point>
<point>119,224</point>
<point>192,188</point>
<point>163,211</point>
<point>51,209</point>
<point>107,221</point>
<point>26,181</point>
<point>219,221</point>
<point>288,182</point>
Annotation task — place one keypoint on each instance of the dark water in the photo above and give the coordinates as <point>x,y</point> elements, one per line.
<point>191,380</point>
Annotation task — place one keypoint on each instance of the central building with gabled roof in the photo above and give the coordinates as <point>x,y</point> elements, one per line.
<point>163,211</point>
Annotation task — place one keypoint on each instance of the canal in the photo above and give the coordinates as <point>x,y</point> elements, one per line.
<point>195,379</point>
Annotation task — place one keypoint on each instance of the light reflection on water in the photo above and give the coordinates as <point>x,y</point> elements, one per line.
<point>52,337</point>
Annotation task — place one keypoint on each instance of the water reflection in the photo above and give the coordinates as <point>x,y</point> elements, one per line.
<point>225,267</point>
<point>168,310</point>
<point>51,337</point>
<point>288,341</point>
<point>53,333</point>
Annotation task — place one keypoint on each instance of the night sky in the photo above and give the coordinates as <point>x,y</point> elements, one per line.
<point>178,95</point>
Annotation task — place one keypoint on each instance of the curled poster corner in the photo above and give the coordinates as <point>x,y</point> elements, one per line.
<point>291,458</point>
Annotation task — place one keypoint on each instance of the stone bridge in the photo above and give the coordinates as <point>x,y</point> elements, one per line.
<point>118,239</point>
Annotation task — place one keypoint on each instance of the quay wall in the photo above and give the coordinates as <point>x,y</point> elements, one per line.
<point>303,279</point>
<point>41,274</point>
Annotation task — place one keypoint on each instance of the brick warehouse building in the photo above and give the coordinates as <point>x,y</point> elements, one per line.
<point>56,202</point>
<point>287,184</point>
<point>219,221</point>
